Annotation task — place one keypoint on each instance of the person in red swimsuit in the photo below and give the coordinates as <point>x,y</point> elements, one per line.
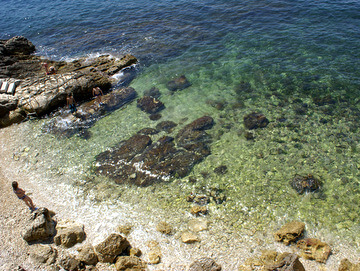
<point>20,193</point>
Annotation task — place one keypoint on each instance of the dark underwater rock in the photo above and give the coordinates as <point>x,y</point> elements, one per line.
<point>306,183</point>
<point>153,92</point>
<point>142,162</point>
<point>148,131</point>
<point>178,83</point>
<point>166,126</point>
<point>255,120</point>
<point>150,105</point>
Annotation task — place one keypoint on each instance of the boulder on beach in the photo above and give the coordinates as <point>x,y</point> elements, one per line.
<point>41,226</point>
<point>87,255</point>
<point>68,234</point>
<point>314,249</point>
<point>124,263</point>
<point>289,232</point>
<point>43,254</point>
<point>111,247</point>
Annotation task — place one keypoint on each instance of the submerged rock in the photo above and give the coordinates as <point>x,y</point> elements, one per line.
<point>141,161</point>
<point>178,83</point>
<point>306,183</point>
<point>150,105</point>
<point>255,120</point>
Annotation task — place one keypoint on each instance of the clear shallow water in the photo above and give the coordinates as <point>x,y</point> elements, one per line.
<point>289,52</point>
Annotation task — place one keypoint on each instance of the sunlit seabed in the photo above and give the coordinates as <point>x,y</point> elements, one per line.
<point>257,187</point>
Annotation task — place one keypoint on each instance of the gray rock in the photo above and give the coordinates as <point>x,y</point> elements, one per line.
<point>68,234</point>
<point>19,45</point>
<point>204,264</point>
<point>43,254</point>
<point>111,247</point>
<point>41,228</point>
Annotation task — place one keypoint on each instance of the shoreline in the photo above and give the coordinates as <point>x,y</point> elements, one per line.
<point>227,248</point>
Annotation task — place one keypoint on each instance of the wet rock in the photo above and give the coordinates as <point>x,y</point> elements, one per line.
<point>154,255</point>
<point>69,234</point>
<point>198,210</point>
<point>204,264</point>
<point>125,263</point>
<point>135,252</point>
<point>189,237</point>
<point>166,126</point>
<point>125,229</point>
<point>314,249</point>
<point>201,199</point>
<point>198,224</point>
<point>249,135</point>
<point>164,228</point>
<point>142,162</point>
<point>43,254</point>
<point>67,125</point>
<point>221,170</point>
<point>306,183</point>
<point>346,265</point>
<point>41,226</point>
<point>289,232</point>
<point>150,105</point>
<point>87,255</point>
<point>178,83</point>
<point>111,247</point>
<point>272,260</point>
<point>255,120</point>
<point>153,92</point>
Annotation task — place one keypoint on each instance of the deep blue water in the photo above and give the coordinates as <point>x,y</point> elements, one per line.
<point>303,39</point>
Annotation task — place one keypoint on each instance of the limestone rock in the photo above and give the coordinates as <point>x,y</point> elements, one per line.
<point>290,232</point>
<point>111,247</point>
<point>178,83</point>
<point>154,255</point>
<point>204,264</point>
<point>126,263</point>
<point>43,254</point>
<point>314,249</point>
<point>255,120</point>
<point>41,227</point>
<point>68,234</point>
<point>135,252</point>
<point>189,237</point>
<point>125,229</point>
<point>164,227</point>
<point>87,255</point>
<point>68,262</point>
<point>197,225</point>
<point>346,265</point>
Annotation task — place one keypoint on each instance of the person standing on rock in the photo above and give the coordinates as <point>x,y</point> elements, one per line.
<point>97,93</point>
<point>48,70</point>
<point>71,103</point>
<point>20,193</point>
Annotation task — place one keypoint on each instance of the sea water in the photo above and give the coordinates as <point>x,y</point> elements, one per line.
<point>294,61</point>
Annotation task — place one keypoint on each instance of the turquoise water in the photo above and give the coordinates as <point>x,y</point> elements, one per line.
<point>275,57</point>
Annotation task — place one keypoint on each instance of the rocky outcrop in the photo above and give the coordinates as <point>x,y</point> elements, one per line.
<point>26,90</point>
<point>69,234</point>
<point>314,249</point>
<point>205,264</point>
<point>142,162</point>
<point>41,226</point>
<point>111,247</point>
<point>290,232</point>
<point>66,124</point>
